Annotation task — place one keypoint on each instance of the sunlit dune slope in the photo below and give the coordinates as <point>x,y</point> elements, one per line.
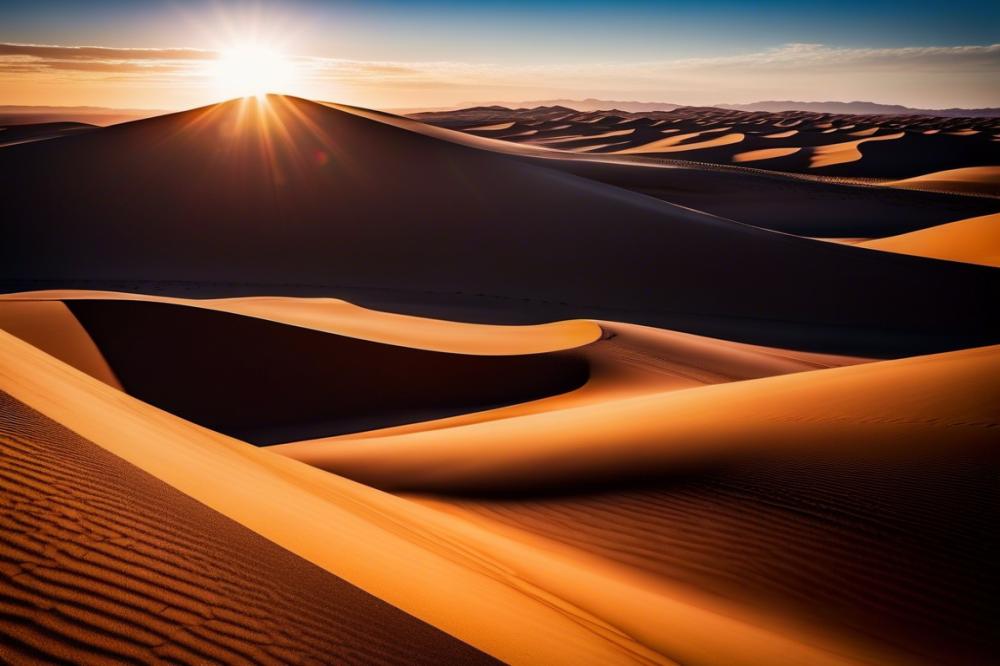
<point>279,369</point>
<point>976,241</point>
<point>970,180</point>
<point>796,495</point>
<point>920,401</point>
<point>104,563</point>
<point>49,325</point>
<point>267,382</point>
<point>293,196</point>
<point>517,600</point>
<point>337,316</point>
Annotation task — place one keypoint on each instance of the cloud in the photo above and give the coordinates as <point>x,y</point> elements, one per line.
<point>100,53</point>
<point>798,70</point>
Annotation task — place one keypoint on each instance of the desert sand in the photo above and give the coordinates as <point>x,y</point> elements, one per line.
<point>548,223</point>
<point>324,383</point>
<point>975,241</point>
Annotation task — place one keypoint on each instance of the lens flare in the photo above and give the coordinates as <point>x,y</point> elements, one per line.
<point>251,70</point>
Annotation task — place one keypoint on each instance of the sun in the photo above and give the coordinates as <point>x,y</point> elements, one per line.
<point>250,70</point>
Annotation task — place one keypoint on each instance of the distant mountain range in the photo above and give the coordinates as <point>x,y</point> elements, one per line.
<point>95,115</point>
<point>861,108</point>
<point>850,108</point>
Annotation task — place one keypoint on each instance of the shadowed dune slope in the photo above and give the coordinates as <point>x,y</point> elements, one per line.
<point>266,382</point>
<point>15,134</point>
<point>975,241</point>
<point>293,195</point>
<point>103,563</point>
<point>780,202</point>
<point>891,550</point>
<point>785,204</point>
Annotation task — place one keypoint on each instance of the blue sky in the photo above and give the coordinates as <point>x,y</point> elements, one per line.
<point>560,38</point>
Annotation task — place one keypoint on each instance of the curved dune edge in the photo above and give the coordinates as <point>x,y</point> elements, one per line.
<point>583,137</point>
<point>340,317</point>
<point>50,325</point>
<point>841,153</point>
<point>628,360</point>
<point>519,603</point>
<point>491,128</point>
<point>765,154</point>
<point>673,145</point>
<point>975,240</point>
<point>821,412</point>
<point>633,361</point>
<point>970,180</point>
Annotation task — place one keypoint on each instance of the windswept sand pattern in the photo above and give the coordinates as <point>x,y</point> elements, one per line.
<point>887,550</point>
<point>102,563</point>
<point>295,382</point>
<point>792,141</point>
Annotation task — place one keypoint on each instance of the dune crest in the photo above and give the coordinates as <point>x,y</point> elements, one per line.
<point>969,180</point>
<point>975,241</point>
<point>849,151</point>
<point>511,599</point>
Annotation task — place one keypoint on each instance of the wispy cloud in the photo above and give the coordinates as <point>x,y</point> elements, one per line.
<point>797,69</point>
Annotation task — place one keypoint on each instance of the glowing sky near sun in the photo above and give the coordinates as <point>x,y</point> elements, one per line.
<point>413,54</point>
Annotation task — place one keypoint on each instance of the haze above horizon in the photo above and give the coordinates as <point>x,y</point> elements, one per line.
<point>393,54</point>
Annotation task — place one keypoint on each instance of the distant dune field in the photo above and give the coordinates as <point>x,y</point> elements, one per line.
<point>291,382</point>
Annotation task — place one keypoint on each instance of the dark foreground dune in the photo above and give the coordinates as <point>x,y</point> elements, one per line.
<point>294,197</point>
<point>103,563</point>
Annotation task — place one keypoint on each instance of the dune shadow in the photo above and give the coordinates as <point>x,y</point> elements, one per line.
<point>268,383</point>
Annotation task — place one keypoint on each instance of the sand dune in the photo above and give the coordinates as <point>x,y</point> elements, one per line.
<point>665,437</point>
<point>804,207</point>
<point>209,367</point>
<point>491,128</point>
<point>832,412</point>
<point>49,325</point>
<point>551,225</point>
<point>930,143</point>
<point>110,564</point>
<point>849,151</point>
<point>15,134</point>
<point>970,180</point>
<point>764,154</point>
<point>513,599</point>
<point>781,135</point>
<point>975,240</point>
<point>714,468</point>
<point>673,144</point>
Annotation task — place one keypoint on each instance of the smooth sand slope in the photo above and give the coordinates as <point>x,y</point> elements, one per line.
<point>517,600</point>
<point>105,563</point>
<point>969,180</point>
<point>683,476</point>
<point>235,365</point>
<point>335,201</point>
<point>797,495</point>
<point>975,241</point>
<point>11,135</point>
<point>783,202</point>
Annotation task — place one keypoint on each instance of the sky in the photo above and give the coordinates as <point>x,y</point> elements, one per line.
<point>381,54</point>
